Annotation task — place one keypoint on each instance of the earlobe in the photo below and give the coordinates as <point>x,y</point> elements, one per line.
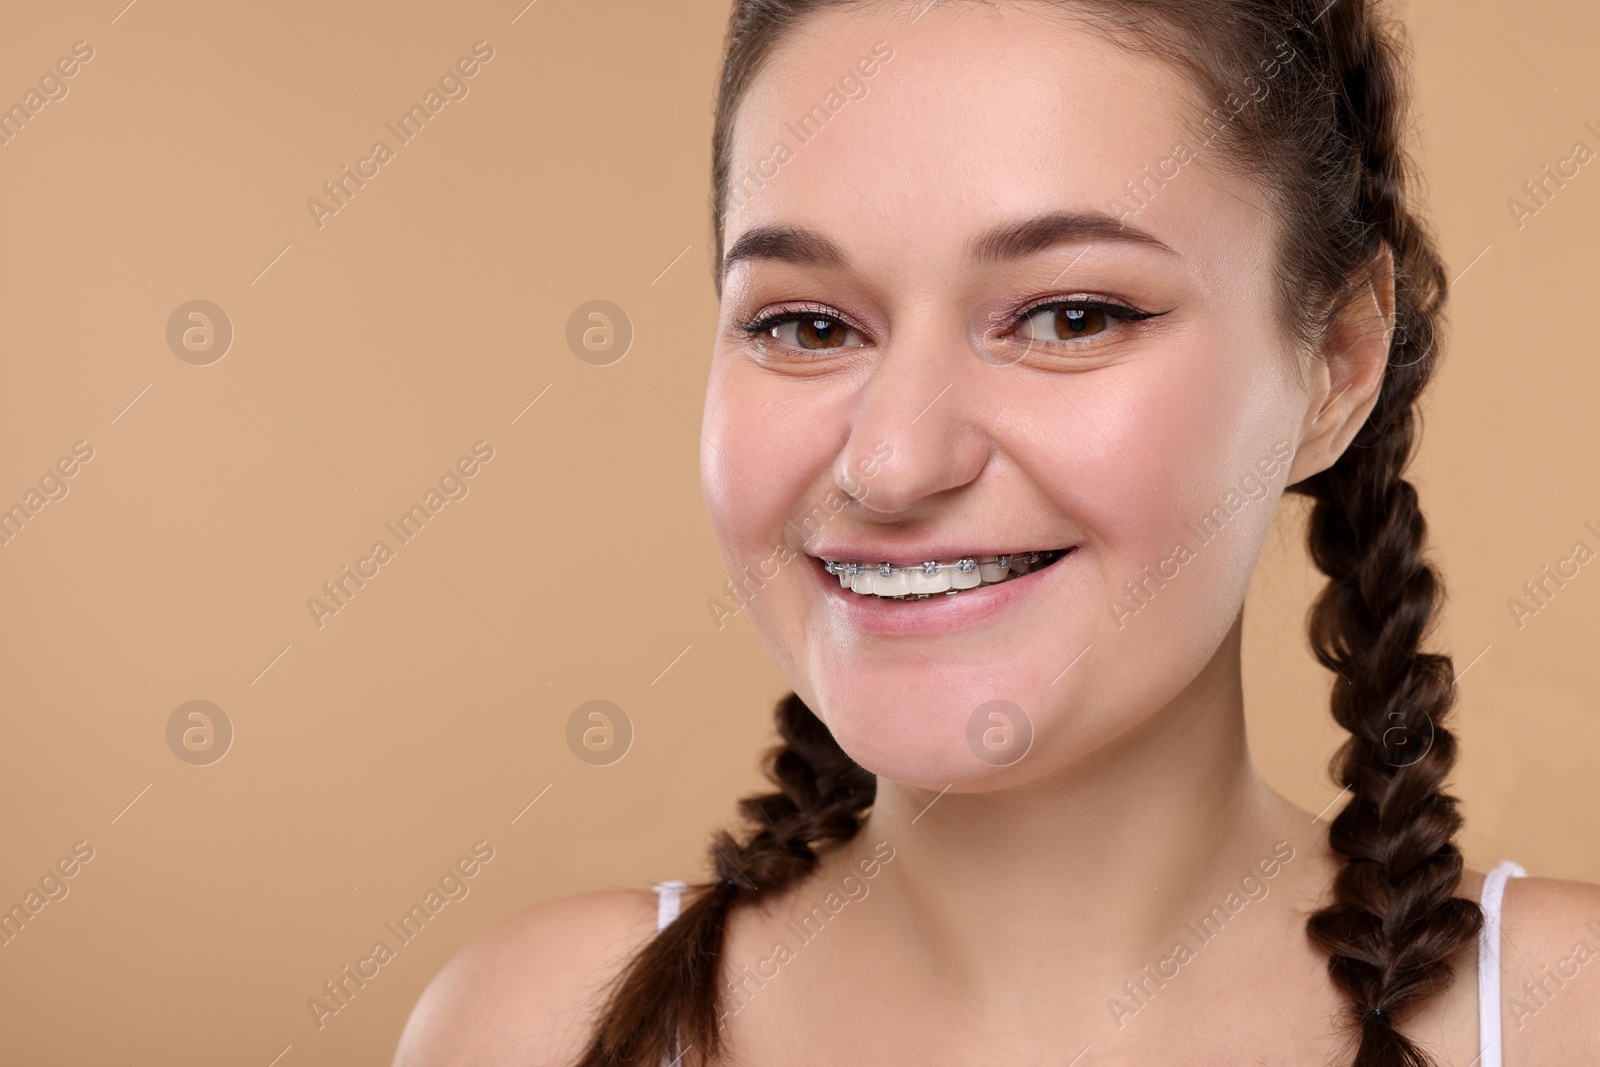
<point>1352,358</point>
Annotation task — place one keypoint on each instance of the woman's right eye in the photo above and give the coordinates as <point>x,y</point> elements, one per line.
<point>809,331</point>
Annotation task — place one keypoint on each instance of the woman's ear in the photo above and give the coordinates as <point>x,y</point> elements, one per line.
<point>1348,372</point>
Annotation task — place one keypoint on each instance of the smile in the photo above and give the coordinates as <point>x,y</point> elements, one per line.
<point>918,581</point>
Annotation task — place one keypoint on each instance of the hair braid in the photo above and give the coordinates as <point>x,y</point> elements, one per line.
<point>669,993</point>
<point>1394,924</point>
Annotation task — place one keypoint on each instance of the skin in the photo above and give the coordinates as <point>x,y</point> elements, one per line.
<point>1022,892</point>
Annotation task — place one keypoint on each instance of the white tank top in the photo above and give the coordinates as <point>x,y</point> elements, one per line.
<point>1494,891</point>
<point>670,895</point>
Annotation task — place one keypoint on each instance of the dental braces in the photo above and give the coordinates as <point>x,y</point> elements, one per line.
<point>965,565</point>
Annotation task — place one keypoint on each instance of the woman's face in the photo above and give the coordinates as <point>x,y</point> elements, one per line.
<point>986,294</point>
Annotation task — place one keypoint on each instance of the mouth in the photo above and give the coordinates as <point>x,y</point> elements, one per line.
<point>919,581</point>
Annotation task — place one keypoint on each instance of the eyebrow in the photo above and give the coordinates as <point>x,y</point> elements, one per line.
<point>1011,240</point>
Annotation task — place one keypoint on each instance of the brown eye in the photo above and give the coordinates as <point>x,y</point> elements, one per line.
<point>1063,323</point>
<point>814,332</point>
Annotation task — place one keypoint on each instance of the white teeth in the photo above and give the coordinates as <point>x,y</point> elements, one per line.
<point>915,582</point>
<point>968,580</point>
<point>896,584</point>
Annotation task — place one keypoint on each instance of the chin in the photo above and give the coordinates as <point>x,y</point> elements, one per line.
<point>935,732</point>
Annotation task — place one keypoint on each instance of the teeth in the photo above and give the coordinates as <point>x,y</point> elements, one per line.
<point>966,579</point>
<point>931,578</point>
<point>921,581</point>
<point>992,571</point>
<point>896,583</point>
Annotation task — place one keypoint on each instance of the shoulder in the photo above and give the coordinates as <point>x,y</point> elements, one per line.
<point>525,992</point>
<point>1550,969</point>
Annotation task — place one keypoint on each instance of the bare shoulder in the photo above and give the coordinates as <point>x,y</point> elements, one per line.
<point>526,991</point>
<point>1550,968</point>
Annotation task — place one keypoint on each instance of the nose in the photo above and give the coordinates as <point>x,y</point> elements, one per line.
<point>915,431</point>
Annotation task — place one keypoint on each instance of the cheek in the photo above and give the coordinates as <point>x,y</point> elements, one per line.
<point>1149,462</point>
<point>761,451</point>
<point>766,447</point>
<point>736,470</point>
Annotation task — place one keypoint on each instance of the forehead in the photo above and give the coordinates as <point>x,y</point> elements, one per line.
<point>870,121</point>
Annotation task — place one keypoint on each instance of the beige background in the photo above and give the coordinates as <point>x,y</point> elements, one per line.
<point>425,316</point>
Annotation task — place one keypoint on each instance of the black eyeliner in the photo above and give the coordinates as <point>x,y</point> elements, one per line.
<point>1119,310</point>
<point>768,322</point>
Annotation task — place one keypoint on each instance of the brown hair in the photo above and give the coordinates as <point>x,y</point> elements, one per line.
<point>1324,138</point>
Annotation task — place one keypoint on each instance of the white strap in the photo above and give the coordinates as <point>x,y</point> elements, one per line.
<point>670,895</point>
<point>1494,889</point>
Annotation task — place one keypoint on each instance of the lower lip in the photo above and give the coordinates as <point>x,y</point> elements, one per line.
<point>936,614</point>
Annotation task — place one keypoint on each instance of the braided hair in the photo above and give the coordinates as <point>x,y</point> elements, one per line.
<point>668,994</point>
<point>1324,138</point>
<point>1395,922</point>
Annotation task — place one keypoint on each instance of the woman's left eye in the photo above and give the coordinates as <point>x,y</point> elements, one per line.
<point>1066,320</point>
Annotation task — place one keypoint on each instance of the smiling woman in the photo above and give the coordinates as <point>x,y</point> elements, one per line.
<point>1054,391</point>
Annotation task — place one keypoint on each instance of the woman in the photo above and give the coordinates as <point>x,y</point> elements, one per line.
<point>1030,313</point>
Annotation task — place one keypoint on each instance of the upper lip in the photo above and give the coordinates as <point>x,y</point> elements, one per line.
<point>901,555</point>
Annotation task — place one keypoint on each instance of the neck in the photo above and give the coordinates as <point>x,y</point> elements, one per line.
<point>1099,867</point>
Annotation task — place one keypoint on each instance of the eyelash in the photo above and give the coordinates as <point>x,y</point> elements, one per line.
<point>1111,308</point>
